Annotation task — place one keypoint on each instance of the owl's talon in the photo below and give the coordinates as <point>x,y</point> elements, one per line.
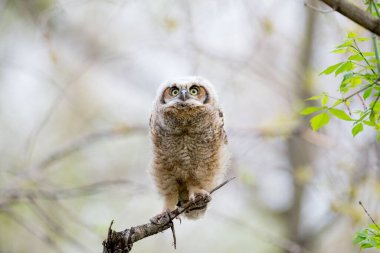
<point>203,194</point>
<point>159,219</point>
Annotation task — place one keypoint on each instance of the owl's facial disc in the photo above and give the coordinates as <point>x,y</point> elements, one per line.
<point>185,96</point>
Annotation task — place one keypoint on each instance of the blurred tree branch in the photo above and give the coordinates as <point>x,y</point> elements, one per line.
<point>78,191</point>
<point>122,242</point>
<point>356,14</point>
<point>83,141</point>
<point>14,191</point>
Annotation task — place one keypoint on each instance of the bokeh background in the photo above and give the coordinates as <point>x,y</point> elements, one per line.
<point>77,83</point>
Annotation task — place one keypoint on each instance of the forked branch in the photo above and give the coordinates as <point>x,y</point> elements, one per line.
<point>122,242</point>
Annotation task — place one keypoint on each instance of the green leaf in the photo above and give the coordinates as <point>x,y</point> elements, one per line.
<point>324,100</point>
<point>376,107</point>
<point>372,241</point>
<point>362,39</point>
<point>364,115</point>
<point>352,35</point>
<point>375,227</point>
<point>347,77</point>
<point>346,43</point>
<point>314,98</point>
<point>355,81</point>
<point>340,114</point>
<point>359,237</point>
<point>319,121</point>
<point>365,245</point>
<point>370,77</point>
<point>368,237</point>
<point>339,51</point>
<point>372,117</point>
<point>369,123</point>
<point>368,53</point>
<point>353,50</point>
<point>356,57</point>
<point>310,110</point>
<point>367,93</point>
<point>331,69</point>
<point>357,129</point>
<point>347,66</point>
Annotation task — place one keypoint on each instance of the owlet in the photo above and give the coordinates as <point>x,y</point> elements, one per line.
<point>189,141</point>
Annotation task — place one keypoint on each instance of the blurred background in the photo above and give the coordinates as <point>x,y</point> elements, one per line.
<point>77,83</point>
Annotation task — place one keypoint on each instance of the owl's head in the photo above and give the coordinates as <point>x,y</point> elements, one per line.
<point>191,91</point>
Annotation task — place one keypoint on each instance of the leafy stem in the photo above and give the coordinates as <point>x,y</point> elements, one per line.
<point>356,47</point>
<point>374,39</point>
<point>357,92</point>
<point>376,100</point>
<point>372,3</point>
<point>361,78</point>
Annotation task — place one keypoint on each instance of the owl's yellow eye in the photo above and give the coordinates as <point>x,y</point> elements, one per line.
<point>194,91</point>
<point>174,92</point>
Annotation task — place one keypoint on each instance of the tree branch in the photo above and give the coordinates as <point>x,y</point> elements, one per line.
<point>31,173</point>
<point>356,14</point>
<point>122,242</point>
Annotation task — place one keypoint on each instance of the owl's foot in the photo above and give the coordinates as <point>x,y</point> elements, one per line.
<point>165,218</point>
<point>199,193</point>
<point>161,218</point>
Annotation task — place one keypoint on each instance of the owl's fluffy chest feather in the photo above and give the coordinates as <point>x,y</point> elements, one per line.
<point>188,151</point>
<point>187,147</point>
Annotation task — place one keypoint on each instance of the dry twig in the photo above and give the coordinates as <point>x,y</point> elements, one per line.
<point>122,242</point>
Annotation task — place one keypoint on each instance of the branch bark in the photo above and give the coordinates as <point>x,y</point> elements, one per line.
<point>356,14</point>
<point>122,242</point>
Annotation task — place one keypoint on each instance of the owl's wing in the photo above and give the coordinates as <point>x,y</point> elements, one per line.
<point>224,135</point>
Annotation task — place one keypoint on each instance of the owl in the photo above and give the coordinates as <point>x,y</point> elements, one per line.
<point>189,142</point>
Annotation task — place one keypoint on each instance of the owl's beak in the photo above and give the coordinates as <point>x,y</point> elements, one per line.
<point>183,96</point>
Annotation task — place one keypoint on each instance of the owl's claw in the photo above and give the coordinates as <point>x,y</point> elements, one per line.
<point>201,193</point>
<point>165,218</point>
<point>159,219</point>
